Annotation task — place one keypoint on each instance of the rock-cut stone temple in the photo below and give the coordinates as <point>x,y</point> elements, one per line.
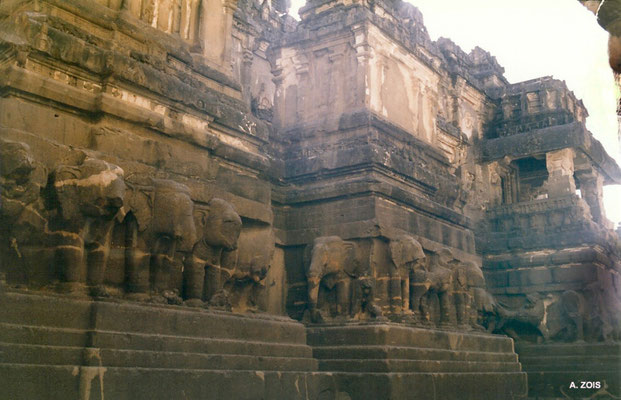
<point>207,199</point>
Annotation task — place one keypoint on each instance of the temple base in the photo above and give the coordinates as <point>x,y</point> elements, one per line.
<point>56,347</point>
<point>59,347</point>
<point>591,367</point>
<point>391,361</point>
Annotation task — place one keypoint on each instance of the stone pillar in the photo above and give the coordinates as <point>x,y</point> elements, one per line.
<point>164,16</point>
<point>592,190</point>
<point>363,70</point>
<point>246,74</point>
<point>215,31</point>
<point>495,185</point>
<point>560,165</point>
<point>302,92</point>
<point>134,7</point>
<point>189,20</point>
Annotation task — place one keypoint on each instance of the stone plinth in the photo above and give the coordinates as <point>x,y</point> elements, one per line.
<point>552,368</point>
<point>59,348</point>
<point>392,361</point>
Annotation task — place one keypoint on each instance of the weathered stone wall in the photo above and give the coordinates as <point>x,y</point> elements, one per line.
<point>219,154</point>
<point>217,141</point>
<point>127,85</point>
<point>375,129</point>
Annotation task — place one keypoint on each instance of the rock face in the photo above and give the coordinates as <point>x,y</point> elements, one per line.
<point>212,171</point>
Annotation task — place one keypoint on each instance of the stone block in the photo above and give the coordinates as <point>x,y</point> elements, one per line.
<point>394,334</point>
<point>18,381</point>
<point>497,279</point>
<point>530,276</point>
<point>575,273</point>
<point>552,367</point>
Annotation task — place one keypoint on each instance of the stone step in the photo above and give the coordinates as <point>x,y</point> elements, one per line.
<point>63,312</point>
<point>66,382</point>
<point>62,355</point>
<point>169,343</point>
<point>557,384</point>
<point>586,349</point>
<point>40,354</point>
<point>552,368</point>
<point>434,386</point>
<point>11,333</point>
<point>53,382</point>
<point>184,321</point>
<point>27,334</point>
<point>575,367</point>
<point>43,310</point>
<point>406,336</point>
<point>110,348</point>
<point>396,365</point>
<point>594,360</point>
<point>408,353</point>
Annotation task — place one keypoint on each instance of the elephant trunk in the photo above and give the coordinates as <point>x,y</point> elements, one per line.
<point>313,292</point>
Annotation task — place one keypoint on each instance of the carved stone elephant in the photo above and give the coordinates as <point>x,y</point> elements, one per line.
<point>333,264</point>
<point>434,278</point>
<point>163,224</point>
<point>579,316</point>
<point>245,283</point>
<point>484,310</point>
<point>22,214</point>
<point>477,301</point>
<point>574,307</point>
<point>87,199</point>
<point>21,184</point>
<point>407,256</point>
<point>213,253</point>
<point>526,321</point>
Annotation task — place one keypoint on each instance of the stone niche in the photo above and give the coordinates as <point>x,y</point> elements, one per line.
<point>209,199</point>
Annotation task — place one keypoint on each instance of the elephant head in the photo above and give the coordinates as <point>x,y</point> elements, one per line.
<point>89,196</point>
<point>21,179</point>
<point>406,251</point>
<point>331,255</point>
<point>93,189</point>
<point>407,255</point>
<point>162,225</point>
<point>215,255</point>
<point>222,225</point>
<point>173,213</point>
<point>444,256</point>
<point>16,163</point>
<point>333,261</point>
<point>474,275</point>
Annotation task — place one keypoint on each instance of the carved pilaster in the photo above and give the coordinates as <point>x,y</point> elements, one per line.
<point>592,190</point>
<point>560,165</point>
<point>188,25</point>
<point>215,31</point>
<point>363,57</point>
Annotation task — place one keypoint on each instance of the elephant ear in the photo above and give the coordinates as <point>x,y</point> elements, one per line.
<point>307,256</point>
<point>39,175</point>
<point>138,199</point>
<point>489,303</point>
<point>405,249</point>
<point>572,302</point>
<point>396,252</point>
<point>352,267</point>
<point>66,191</point>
